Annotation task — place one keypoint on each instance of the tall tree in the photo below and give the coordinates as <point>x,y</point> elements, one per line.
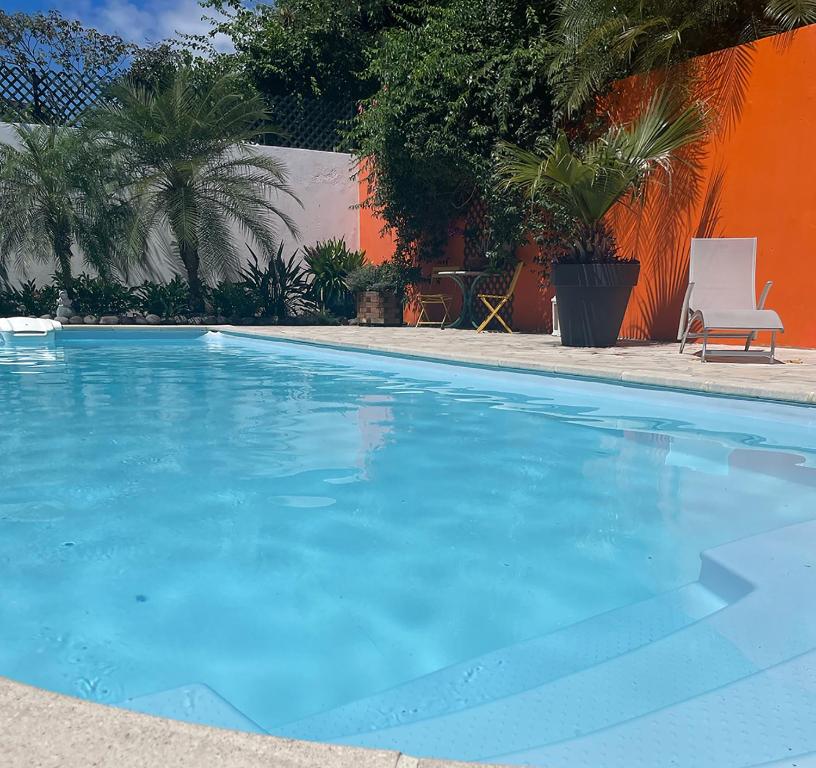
<point>308,48</point>
<point>458,78</point>
<point>57,193</point>
<point>186,146</point>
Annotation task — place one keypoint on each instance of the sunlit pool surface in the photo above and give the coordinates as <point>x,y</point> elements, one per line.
<point>298,528</point>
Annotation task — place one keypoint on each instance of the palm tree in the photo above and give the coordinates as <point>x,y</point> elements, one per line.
<point>586,185</point>
<point>187,145</point>
<point>599,41</point>
<point>57,193</point>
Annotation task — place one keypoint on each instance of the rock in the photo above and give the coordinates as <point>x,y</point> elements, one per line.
<point>64,313</point>
<point>75,320</point>
<point>139,320</point>
<point>354,321</point>
<point>220,319</point>
<point>152,319</point>
<point>180,320</point>
<point>90,320</point>
<point>109,320</point>
<point>210,319</point>
<point>197,320</point>
<point>46,316</point>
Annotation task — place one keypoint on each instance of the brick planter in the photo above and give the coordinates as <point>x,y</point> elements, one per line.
<point>374,308</point>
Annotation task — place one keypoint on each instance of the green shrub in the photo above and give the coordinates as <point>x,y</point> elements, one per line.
<point>392,276</point>
<point>8,304</point>
<point>101,296</point>
<point>233,300</point>
<point>29,300</point>
<point>164,299</point>
<point>363,278</point>
<point>330,262</point>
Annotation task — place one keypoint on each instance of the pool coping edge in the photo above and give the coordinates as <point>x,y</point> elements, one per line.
<point>768,392</point>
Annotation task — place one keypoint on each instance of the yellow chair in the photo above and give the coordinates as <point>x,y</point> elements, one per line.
<point>434,299</point>
<point>495,303</point>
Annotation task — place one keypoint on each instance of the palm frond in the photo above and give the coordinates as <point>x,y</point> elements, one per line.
<point>589,184</point>
<point>790,14</point>
<point>187,149</point>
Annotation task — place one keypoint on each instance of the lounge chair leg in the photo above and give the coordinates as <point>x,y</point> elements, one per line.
<point>705,346</point>
<point>748,341</point>
<point>684,340</point>
<point>773,346</point>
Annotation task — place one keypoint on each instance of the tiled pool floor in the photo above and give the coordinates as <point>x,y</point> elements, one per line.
<point>721,672</point>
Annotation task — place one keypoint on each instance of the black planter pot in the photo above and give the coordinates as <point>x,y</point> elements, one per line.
<point>592,300</point>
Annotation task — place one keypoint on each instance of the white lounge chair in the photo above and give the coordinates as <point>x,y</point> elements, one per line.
<point>721,296</point>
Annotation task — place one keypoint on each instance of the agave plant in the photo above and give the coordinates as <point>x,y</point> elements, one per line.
<point>586,184</point>
<point>56,192</point>
<point>281,285</point>
<point>330,263</point>
<point>193,169</point>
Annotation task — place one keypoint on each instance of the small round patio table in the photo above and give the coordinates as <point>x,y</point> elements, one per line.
<point>467,280</point>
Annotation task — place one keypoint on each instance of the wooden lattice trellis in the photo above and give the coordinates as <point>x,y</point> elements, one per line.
<point>308,124</point>
<point>49,96</point>
<point>57,96</point>
<point>477,244</point>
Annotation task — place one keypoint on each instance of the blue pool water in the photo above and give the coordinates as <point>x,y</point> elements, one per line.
<point>298,528</point>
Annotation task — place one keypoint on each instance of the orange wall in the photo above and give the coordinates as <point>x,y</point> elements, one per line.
<point>378,246</point>
<point>755,176</point>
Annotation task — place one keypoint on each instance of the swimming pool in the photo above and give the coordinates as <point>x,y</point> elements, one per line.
<point>299,529</point>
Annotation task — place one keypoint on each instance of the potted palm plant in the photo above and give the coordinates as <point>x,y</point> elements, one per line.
<point>592,279</point>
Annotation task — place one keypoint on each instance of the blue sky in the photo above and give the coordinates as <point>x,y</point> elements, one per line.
<point>138,20</point>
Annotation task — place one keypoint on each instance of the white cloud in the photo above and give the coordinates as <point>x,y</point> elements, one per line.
<point>147,21</point>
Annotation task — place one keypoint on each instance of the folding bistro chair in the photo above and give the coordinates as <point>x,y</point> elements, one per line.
<point>434,299</point>
<point>721,297</point>
<point>495,303</point>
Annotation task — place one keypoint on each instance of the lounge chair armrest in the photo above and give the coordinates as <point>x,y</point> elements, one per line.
<point>684,312</point>
<point>764,294</point>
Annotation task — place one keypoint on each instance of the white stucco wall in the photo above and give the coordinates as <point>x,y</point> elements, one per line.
<point>322,181</point>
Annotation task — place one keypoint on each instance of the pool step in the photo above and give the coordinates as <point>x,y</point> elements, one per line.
<point>747,671</point>
<point>765,720</point>
<point>196,703</point>
<point>669,670</point>
<point>514,669</point>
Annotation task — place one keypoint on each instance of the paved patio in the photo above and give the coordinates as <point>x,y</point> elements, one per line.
<point>40,729</point>
<point>791,378</point>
